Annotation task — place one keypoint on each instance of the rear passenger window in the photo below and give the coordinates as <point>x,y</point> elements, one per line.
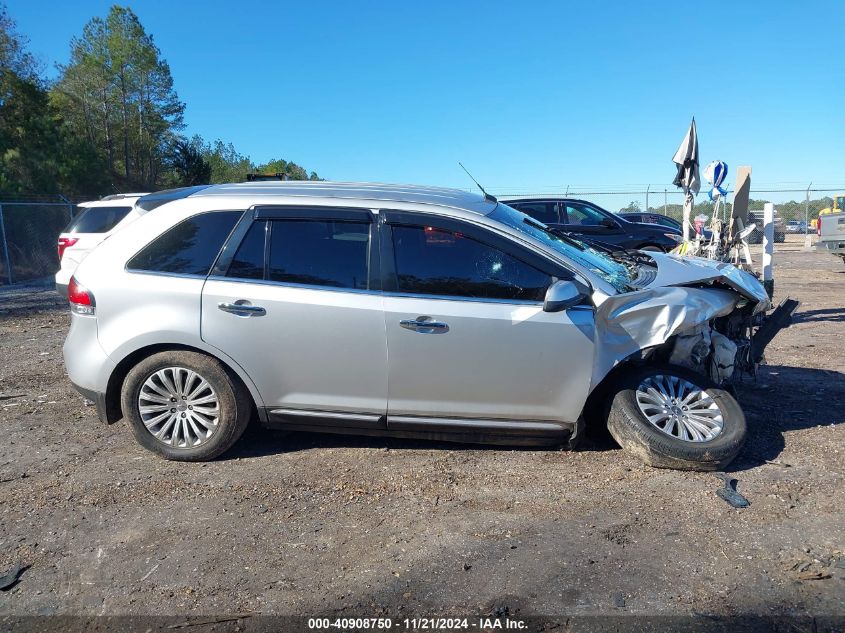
<point>190,247</point>
<point>248,262</point>
<point>319,253</point>
<point>545,212</point>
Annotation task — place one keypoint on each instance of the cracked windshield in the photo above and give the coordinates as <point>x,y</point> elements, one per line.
<point>615,273</point>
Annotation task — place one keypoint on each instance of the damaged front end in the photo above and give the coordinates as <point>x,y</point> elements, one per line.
<point>704,315</point>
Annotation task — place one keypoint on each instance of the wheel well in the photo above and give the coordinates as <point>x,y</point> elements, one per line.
<point>114,411</point>
<point>598,402</point>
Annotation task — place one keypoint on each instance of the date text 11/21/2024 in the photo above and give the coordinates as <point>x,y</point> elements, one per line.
<point>417,624</point>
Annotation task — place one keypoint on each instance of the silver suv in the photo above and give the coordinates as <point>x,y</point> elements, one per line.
<point>404,311</point>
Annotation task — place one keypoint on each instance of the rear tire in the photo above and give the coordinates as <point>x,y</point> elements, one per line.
<point>652,248</point>
<point>662,448</point>
<point>185,406</point>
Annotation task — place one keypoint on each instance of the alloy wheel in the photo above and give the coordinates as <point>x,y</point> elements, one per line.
<point>179,407</point>
<point>679,408</point>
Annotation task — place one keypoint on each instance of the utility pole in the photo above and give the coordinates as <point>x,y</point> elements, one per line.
<point>646,198</point>
<point>807,211</point>
<point>665,203</point>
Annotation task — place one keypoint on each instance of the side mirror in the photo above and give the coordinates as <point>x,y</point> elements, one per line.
<point>562,295</point>
<point>608,223</point>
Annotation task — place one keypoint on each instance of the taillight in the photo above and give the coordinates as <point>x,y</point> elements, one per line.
<point>81,299</point>
<point>64,242</point>
<point>819,226</point>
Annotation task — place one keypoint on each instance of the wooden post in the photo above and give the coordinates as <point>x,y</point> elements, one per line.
<point>742,192</point>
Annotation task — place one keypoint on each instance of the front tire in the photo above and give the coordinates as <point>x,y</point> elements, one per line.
<point>671,417</point>
<point>185,406</point>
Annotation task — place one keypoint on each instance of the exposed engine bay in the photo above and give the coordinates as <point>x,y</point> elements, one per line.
<point>707,316</point>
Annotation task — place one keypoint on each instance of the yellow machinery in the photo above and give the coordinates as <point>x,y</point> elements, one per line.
<point>837,207</point>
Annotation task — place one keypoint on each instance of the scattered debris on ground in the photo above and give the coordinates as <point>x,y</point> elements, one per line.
<point>729,493</point>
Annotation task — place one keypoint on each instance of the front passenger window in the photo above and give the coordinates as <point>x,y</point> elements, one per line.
<point>583,215</point>
<point>431,261</point>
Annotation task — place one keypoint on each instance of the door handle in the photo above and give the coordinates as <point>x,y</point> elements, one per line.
<point>424,325</point>
<point>242,309</point>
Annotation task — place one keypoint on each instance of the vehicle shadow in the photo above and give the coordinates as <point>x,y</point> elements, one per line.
<point>261,442</point>
<point>828,314</point>
<point>782,399</point>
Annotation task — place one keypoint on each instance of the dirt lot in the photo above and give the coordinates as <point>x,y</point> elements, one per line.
<point>310,524</point>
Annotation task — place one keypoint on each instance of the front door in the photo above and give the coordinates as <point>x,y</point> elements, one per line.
<point>582,219</point>
<point>296,308</point>
<point>467,335</point>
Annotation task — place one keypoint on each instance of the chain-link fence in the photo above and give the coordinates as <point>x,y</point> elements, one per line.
<point>29,228</point>
<point>29,232</point>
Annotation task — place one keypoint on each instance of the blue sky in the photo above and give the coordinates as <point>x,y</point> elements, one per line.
<point>530,96</point>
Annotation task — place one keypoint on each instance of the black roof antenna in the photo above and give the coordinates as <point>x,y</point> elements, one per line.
<point>487,196</point>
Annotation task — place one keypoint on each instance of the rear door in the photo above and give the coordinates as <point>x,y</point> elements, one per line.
<point>292,300</point>
<point>466,332</point>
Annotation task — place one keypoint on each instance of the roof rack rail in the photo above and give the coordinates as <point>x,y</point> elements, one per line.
<point>123,196</point>
<point>154,200</point>
<point>265,177</point>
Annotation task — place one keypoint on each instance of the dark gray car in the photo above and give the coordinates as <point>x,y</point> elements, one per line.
<point>583,218</point>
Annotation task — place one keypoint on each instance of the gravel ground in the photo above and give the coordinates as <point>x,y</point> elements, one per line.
<point>310,524</point>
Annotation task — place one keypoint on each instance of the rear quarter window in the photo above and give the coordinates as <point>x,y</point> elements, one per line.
<point>97,219</point>
<point>189,248</point>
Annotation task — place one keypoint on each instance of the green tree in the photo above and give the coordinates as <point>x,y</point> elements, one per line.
<point>110,123</point>
<point>23,110</point>
<point>37,154</point>
<point>117,93</point>
<point>14,58</point>
<point>632,207</point>
<point>188,165</point>
<point>289,169</point>
<point>227,164</point>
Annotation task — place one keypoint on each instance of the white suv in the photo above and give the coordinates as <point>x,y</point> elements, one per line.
<point>94,223</point>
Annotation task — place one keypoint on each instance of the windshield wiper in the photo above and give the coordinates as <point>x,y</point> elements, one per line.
<point>563,237</point>
<point>628,255</point>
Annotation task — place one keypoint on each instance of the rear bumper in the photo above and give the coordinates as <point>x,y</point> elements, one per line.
<point>87,364</point>
<point>97,397</point>
<point>835,247</point>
